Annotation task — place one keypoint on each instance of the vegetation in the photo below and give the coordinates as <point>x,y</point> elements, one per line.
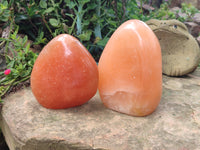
<point>20,60</point>
<point>91,21</point>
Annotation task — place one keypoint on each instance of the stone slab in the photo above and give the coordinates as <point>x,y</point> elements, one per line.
<point>175,125</point>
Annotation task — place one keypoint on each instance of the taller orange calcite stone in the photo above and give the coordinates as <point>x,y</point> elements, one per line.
<point>130,70</point>
<point>64,74</point>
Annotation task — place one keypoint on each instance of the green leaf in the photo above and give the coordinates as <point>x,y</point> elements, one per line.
<point>70,15</point>
<point>27,48</point>
<point>91,6</point>
<point>40,39</point>
<point>94,18</point>
<point>14,35</point>
<point>43,4</point>
<point>19,67</point>
<point>86,23</point>
<point>82,2</point>
<point>85,36</point>
<point>48,10</point>
<point>103,42</point>
<point>54,22</point>
<point>71,4</point>
<point>11,64</point>
<point>4,5</point>
<point>18,18</point>
<point>24,41</point>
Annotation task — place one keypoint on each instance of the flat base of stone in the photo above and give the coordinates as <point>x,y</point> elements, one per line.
<point>175,124</point>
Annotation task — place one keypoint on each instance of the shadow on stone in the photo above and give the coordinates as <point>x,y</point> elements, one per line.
<point>3,145</point>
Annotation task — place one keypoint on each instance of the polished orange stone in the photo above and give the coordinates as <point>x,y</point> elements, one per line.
<point>64,74</point>
<point>130,70</point>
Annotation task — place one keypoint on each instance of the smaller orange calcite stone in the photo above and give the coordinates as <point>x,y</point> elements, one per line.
<point>130,70</point>
<point>64,74</point>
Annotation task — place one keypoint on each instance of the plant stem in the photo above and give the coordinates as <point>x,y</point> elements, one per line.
<point>22,80</point>
<point>45,22</point>
<point>2,43</point>
<point>97,29</point>
<point>55,10</point>
<point>13,83</point>
<point>73,24</point>
<point>115,9</point>
<point>79,19</point>
<point>7,88</point>
<point>123,9</point>
<point>4,92</point>
<point>141,5</point>
<point>8,82</point>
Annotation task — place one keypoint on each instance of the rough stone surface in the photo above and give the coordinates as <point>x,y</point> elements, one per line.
<point>198,40</point>
<point>193,28</point>
<point>196,18</point>
<point>175,125</point>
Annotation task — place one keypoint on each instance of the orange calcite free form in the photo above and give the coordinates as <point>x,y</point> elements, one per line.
<point>130,70</point>
<point>64,74</point>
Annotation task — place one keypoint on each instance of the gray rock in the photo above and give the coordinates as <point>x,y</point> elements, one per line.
<point>193,28</point>
<point>196,18</point>
<point>198,39</point>
<point>175,125</point>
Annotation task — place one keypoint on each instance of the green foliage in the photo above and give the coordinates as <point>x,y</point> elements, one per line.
<point>4,11</point>
<point>20,60</point>
<point>189,10</point>
<point>164,12</point>
<point>91,21</point>
<point>136,12</point>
